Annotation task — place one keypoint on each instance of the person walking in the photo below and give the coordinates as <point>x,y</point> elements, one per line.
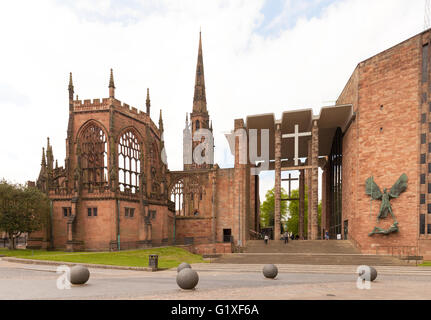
<point>326,235</point>
<point>266,239</point>
<point>286,237</point>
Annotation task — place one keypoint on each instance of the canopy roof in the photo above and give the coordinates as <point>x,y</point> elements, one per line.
<point>329,119</point>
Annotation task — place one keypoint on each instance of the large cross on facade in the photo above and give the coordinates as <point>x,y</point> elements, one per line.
<point>296,135</point>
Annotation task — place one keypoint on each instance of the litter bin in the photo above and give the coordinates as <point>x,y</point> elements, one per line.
<point>154,261</point>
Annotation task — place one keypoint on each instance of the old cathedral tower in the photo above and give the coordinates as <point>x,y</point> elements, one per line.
<point>199,119</point>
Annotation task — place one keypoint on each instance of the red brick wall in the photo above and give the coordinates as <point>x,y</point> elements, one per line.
<point>226,205</point>
<point>350,159</point>
<point>389,79</point>
<point>212,248</point>
<point>59,223</point>
<point>197,227</point>
<point>226,200</point>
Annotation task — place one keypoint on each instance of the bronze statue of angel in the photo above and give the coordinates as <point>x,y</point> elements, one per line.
<point>373,190</point>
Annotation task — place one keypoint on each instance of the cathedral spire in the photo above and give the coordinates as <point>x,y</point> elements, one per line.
<point>70,88</point>
<point>199,99</point>
<point>148,102</point>
<point>111,85</point>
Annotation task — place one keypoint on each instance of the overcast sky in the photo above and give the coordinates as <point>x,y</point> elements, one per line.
<point>259,56</point>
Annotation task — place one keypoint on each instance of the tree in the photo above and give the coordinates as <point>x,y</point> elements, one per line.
<point>293,221</point>
<point>267,209</point>
<point>22,209</point>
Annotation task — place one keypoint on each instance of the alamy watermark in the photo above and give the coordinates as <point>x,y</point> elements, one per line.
<point>63,282</point>
<point>364,278</point>
<point>199,147</point>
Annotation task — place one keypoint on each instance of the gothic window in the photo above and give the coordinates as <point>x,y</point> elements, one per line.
<point>198,125</point>
<point>94,157</point>
<point>129,163</point>
<point>177,196</point>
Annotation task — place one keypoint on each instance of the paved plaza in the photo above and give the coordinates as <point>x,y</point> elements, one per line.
<point>218,282</point>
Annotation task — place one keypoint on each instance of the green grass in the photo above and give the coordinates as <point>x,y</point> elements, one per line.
<point>425,264</point>
<point>169,257</point>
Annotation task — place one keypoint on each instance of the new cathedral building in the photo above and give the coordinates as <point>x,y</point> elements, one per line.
<point>116,192</point>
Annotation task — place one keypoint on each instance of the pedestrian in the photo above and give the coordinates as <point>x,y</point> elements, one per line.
<point>326,235</point>
<point>286,237</point>
<point>266,239</point>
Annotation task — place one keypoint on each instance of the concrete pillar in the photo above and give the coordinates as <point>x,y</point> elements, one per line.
<point>324,208</point>
<point>239,225</point>
<point>328,208</point>
<point>213,209</point>
<point>301,204</point>
<point>314,181</point>
<point>309,194</point>
<point>277,193</point>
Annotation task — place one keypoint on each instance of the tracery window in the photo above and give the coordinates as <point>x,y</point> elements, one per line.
<point>94,157</point>
<point>177,196</point>
<point>129,163</point>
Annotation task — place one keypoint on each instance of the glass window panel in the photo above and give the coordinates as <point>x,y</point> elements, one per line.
<point>422,224</point>
<point>425,63</point>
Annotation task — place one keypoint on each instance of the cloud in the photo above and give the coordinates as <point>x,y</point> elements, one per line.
<point>154,44</point>
<point>9,94</point>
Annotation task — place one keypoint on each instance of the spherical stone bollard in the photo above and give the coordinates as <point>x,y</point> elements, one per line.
<point>373,273</point>
<point>183,266</point>
<point>79,275</point>
<point>187,279</point>
<point>270,271</point>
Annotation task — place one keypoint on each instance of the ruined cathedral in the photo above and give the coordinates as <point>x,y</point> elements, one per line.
<point>116,192</point>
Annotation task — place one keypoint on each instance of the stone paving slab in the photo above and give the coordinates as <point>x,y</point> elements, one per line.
<point>217,282</point>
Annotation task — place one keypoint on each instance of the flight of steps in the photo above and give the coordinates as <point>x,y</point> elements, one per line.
<point>307,253</point>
